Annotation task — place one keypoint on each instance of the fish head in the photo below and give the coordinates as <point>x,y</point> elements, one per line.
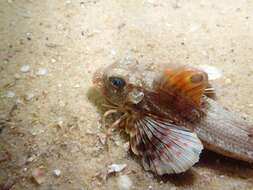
<point>151,87</point>
<point>122,82</point>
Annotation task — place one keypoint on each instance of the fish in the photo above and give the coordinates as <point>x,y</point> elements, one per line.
<point>171,113</point>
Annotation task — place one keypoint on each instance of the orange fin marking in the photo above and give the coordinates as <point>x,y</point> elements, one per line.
<point>188,82</point>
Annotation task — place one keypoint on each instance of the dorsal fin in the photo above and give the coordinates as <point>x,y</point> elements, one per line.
<point>188,82</point>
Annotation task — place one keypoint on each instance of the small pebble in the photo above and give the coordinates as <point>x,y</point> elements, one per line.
<point>68,2</point>
<point>17,76</point>
<point>53,60</point>
<point>113,52</point>
<point>19,101</point>
<point>62,103</point>
<point>102,138</point>
<point>116,168</point>
<point>60,122</point>
<point>245,116</point>
<point>118,142</point>
<point>36,132</point>
<point>126,146</point>
<point>42,72</point>
<point>151,1</point>
<point>250,105</point>
<point>77,86</point>
<point>194,28</point>
<point>228,81</point>
<point>124,182</point>
<point>31,159</point>
<point>10,94</point>
<point>25,68</point>
<point>213,72</point>
<point>57,172</point>
<point>29,96</point>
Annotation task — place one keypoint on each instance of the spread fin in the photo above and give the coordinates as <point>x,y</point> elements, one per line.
<point>165,148</point>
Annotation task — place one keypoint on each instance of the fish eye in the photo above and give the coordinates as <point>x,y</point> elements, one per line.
<point>197,78</point>
<point>117,82</point>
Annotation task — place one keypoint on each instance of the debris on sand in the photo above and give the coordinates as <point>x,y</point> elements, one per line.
<point>68,2</point>
<point>8,184</point>
<point>228,81</point>
<point>113,52</point>
<point>17,76</point>
<point>25,68</point>
<point>53,60</point>
<point>29,96</point>
<point>30,159</point>
<point>124,182</point>
<point>102,138</point>
<point>10,94</point>
<point>57,172</point>
<point>213,72</point>
<point>110,171</point>
<point>42,72</point>
<point>126,146</point>
<point>77,86</point>
<point>60,122</point>
<point>4,156</point>
<point>250,105</point>
<point>116,168</point>
<point>38,175</point>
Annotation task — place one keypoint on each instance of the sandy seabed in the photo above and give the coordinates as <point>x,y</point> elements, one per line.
<point>50,121</point>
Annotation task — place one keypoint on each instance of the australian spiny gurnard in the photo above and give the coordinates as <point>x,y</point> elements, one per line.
<point>170,114</point>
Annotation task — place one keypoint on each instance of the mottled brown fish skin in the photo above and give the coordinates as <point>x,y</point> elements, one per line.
<point>219,130</point>
<point>225,132</point>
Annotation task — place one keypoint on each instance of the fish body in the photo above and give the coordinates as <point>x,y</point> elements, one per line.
<point>225,132</point>
<point>169,112</point>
